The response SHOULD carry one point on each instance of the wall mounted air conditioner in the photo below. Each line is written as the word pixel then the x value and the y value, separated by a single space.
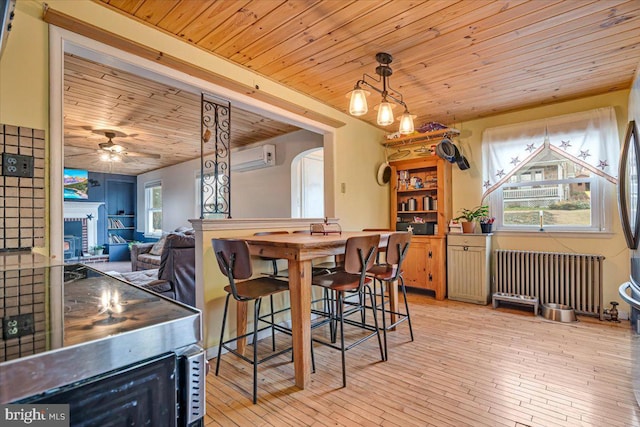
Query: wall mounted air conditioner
pixel 253 158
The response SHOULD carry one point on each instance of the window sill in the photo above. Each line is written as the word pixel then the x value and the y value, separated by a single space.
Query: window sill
pixel 554 233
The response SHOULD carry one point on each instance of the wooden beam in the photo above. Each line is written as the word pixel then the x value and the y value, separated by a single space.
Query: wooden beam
pixel 72 24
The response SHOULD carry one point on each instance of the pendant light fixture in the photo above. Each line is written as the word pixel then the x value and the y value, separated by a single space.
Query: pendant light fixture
pixel 358 97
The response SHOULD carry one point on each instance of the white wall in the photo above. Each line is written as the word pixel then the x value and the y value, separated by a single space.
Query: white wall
pixel 266 193
pixel 261 193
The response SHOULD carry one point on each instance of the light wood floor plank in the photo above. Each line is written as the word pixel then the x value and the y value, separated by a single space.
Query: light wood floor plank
pixel 468 366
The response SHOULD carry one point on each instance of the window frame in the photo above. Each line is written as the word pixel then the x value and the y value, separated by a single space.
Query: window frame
pixel 600 207
pixel 148 210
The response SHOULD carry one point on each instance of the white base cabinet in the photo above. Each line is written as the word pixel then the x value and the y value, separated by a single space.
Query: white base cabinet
pixel 468 267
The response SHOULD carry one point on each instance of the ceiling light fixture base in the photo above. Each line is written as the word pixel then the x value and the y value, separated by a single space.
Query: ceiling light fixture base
pixel 358 103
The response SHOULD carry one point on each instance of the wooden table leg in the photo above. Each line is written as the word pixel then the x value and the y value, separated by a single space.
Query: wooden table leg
pixel 393 301
pixel 300 296
pixel 241 324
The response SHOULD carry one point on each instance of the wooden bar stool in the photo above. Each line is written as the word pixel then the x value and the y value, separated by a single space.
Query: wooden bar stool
pixel 359 257
pixel 391 271
pixel 235 262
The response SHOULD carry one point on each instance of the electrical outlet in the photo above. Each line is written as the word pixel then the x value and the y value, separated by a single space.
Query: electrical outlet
pixel 17 326
pixel 17 165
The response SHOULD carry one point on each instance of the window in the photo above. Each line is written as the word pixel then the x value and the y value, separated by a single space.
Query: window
pixel 551 174
pixel 552 193
pixel 153 208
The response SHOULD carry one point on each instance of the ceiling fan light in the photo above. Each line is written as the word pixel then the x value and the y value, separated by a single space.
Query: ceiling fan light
pixel 358 103
pixel 406 123
pixel 117 148
pixel 385 114
pixel 105 157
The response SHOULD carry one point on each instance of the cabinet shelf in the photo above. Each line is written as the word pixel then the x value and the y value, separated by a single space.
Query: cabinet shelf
pixel 418 212
pixel 417 190
pixel 121 218
pixel 420 138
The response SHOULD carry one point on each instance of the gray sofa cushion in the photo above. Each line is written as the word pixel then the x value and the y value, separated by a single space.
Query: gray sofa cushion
pixel 149 259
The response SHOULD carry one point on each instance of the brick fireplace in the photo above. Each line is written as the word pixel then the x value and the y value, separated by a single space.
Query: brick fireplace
pixel 81 227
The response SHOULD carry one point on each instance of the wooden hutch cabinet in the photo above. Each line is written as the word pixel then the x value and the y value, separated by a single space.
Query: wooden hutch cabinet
pixel 420 193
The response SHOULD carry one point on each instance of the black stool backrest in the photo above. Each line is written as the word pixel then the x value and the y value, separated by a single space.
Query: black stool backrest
pixel 397 247
pixel 359 254
pixel 233 258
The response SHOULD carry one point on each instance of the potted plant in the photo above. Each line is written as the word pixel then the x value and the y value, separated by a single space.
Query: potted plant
pixel 98 250
pixel 471 216
pixel 486 223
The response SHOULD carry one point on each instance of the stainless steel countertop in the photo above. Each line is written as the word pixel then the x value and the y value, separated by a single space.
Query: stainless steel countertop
pixel 77 338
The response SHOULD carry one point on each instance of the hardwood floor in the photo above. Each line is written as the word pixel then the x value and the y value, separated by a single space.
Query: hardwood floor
pixel 468 366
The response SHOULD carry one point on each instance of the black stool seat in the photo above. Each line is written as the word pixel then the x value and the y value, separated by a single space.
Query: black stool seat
pixel 340 281
pixel 258 288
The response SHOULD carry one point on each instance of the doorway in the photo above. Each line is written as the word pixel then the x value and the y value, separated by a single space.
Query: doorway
pixel 307 184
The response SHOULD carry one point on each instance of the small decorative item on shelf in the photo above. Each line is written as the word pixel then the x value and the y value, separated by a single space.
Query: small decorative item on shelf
pixel 430 127
pixel 404 180
pixel 472 216
pixel 486 224
pixel 455 227
pixel 97 250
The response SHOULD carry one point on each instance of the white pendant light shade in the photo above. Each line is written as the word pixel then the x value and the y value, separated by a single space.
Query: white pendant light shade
pixel 406 123
pixel 358 104
pixel 385 114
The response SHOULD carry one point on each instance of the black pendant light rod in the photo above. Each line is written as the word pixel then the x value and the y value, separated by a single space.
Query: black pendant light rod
pixel 384 71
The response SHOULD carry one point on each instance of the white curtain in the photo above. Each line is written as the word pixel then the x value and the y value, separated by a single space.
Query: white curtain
pixel 589 138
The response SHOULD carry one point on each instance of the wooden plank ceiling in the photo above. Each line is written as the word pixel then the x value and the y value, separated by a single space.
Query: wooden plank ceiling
pixel 157 124
pixel 453 60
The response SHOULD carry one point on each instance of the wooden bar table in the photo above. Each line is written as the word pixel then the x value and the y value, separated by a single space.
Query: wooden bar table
pixel 300 249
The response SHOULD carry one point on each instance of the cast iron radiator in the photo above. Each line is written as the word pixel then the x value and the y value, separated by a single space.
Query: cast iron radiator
pixel 562 278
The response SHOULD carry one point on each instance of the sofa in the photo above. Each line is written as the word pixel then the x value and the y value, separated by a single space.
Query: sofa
pixel 142 258
pixel 175 275
pixel 146 256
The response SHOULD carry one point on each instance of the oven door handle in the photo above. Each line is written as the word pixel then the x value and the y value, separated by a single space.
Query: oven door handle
pixel 623 294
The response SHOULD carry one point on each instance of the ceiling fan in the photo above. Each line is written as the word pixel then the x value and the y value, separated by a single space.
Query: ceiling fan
pixel 110 151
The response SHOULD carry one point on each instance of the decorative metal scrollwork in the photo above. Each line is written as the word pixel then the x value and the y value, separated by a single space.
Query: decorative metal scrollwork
pixel 215 182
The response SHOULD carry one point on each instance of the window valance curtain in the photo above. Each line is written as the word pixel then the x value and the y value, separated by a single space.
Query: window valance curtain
pixel 588 138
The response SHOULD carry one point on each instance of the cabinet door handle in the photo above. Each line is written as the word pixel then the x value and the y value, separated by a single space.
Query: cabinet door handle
pixel 430 277
pixel 466 248
pixel 430 254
